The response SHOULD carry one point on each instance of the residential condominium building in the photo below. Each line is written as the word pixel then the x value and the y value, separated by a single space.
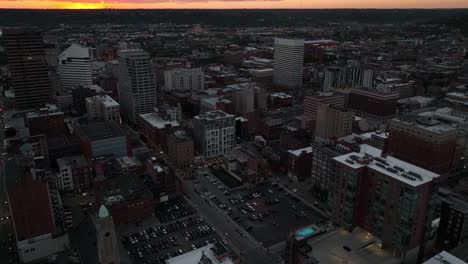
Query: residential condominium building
pixel 74 67
pixel 288 63
pixel 27 67
pixel 388 197
pixel 137 86
pixel 184 79
pixel 214 133
pixel 102 107
pixel 427 143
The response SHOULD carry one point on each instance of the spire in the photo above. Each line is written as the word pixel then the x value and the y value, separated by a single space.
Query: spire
pixel 103 212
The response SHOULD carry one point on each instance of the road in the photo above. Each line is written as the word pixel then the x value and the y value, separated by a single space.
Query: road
pixel 249 250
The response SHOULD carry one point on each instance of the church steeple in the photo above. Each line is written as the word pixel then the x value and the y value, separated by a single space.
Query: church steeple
pixel 108 249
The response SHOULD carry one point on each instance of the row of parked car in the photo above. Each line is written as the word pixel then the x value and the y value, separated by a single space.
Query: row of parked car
pixel 174 209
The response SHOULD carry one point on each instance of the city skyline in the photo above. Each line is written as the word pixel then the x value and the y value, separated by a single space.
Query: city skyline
pixel 228 4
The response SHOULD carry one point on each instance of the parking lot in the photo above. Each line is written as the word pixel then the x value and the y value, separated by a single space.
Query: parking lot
pixel 173 209
pixel 181 231
pixel 267 211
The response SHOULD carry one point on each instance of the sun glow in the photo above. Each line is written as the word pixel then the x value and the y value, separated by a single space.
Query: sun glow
pixel 78 5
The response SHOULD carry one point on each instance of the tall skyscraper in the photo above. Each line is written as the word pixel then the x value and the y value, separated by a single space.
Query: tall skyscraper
pixel 28 67
pixel 137 86
pixel 107 246
pixel 288 62
pixel 74 67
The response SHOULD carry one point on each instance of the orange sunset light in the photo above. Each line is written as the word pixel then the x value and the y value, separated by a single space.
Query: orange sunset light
pixel 223 4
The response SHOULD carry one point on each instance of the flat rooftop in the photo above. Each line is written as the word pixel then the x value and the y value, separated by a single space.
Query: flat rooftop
pixel 328 248
pixel 72 161
pixel 203 255
pixel 444 258
pixel 99 130
pixel 122 189
pixel 157 121
pixel 299 152
pixel 213 115
pixel 387 165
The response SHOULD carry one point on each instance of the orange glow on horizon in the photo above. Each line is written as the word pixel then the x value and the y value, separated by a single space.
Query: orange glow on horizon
pixel 230 4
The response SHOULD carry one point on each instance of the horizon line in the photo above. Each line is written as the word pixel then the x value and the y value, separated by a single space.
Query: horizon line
pixel 292 8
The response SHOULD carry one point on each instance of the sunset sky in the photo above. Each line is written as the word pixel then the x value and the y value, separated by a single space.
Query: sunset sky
pixel 215 4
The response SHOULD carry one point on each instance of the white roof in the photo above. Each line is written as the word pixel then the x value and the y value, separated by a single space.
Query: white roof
pixel 75 51
pixel 157 121
pixel 387 165
pixel 194 257
pixel 298 152
pixel 444 258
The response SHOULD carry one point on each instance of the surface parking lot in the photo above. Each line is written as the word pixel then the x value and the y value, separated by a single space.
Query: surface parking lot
pixel 173 209
pixel 267 211
pixel 158 243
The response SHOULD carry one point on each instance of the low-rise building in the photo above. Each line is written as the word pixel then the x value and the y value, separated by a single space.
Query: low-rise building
pixel 74 173
pixel 102 107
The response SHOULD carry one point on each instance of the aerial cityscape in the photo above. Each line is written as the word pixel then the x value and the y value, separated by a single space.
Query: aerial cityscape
pixel 200 135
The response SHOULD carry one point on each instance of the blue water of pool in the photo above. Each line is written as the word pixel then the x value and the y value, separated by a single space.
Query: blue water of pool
pixel 305 232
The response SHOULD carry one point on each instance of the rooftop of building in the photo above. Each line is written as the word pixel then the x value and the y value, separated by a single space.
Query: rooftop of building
pixel 47 110
pixel 281 95
pixel 397 169
pixel 213 101
pixel 444 258
pixel 203 255
pixel 99 130
pixel 319 41
pixel 299 152
pixel 75 51
pixel 157 121
pixel 72 161
pixel 377 133
pixel 426 123
pixel 106 100
pixel 213 115
pixel 123 189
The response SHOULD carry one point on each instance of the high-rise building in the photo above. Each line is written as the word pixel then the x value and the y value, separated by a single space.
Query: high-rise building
pixel 74 67
pixel 333 122
pixel 288 63
pixel 107 245
pixel 389 198
pixel 214 133
pixel 347 77
pixel 102 107
pixel 427 143
pixel 28 68
pixel 137 86
pixel 184 79
pixel 312 103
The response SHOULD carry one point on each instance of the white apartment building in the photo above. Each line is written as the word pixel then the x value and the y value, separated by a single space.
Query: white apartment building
pixel 214 133
pixel 74 67
pixel 102 107
pixel 137 84
pixel 288 62
pixel 184 79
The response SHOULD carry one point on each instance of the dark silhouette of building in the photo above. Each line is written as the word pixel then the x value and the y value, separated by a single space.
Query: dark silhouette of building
pixel 28 67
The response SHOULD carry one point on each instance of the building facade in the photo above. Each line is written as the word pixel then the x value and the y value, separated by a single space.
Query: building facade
pixel 373 103
pixel 288 63
pixel 214 133
pixel 28 68
pixel 389 198
pixel 102 107
pixel 184 79
pixel 312 103
pixel 74 173
pixel 333 122
pixel 74 67
pixel 137 84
